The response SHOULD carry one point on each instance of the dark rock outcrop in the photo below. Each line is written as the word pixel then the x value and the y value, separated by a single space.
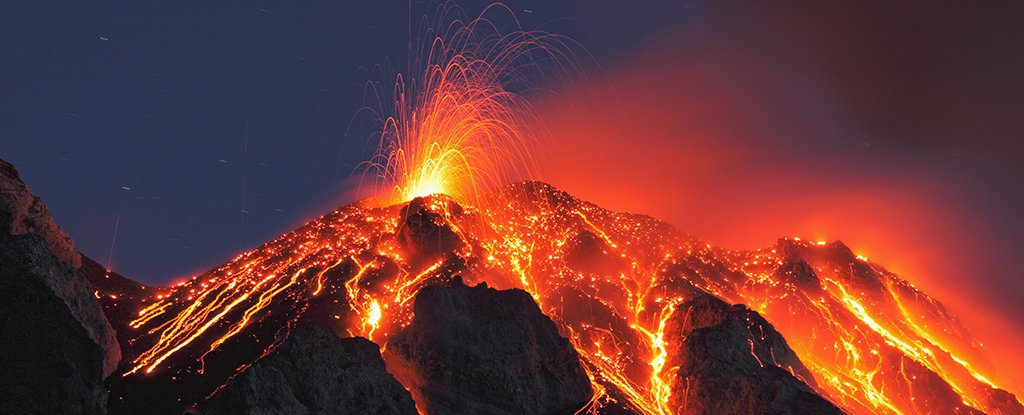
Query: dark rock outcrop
pixel 731 361
pixel 929 389
pixel 423 232
pixel 120 297
pixel 1001 402
pixel 56 346
pixel 589 253
pixel 23 213
pixel 315 372
pixel 477 350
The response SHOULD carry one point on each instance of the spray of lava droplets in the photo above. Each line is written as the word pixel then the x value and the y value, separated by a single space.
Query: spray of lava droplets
pixel 461 129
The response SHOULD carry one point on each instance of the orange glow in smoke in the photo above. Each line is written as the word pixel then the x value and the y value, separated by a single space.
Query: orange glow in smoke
pixel 719 158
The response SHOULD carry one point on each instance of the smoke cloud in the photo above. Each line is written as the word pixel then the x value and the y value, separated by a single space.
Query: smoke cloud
pixel 731 134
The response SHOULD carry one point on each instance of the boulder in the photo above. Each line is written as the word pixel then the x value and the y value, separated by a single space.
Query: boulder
pixel 424 232
pixel 56 346
pixel 730 360
pixel 477 350
pixel 589 253
pixel 315 372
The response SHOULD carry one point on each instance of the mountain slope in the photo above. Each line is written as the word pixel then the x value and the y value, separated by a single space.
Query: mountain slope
pixel 612 282
pixel 56 346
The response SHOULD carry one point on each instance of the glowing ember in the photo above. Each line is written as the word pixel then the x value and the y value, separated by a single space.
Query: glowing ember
pixel 457 128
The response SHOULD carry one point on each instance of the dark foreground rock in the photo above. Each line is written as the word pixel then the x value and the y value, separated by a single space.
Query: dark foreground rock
pixel 56 346
pixel 120 297
pixel 732 361
pixel 315 372
pixel 477 350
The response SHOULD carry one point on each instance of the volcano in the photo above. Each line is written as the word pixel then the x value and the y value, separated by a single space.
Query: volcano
pixel 528 301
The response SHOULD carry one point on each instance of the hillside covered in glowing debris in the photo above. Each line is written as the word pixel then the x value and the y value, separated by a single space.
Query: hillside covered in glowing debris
pixel 526 300
pixel 658 322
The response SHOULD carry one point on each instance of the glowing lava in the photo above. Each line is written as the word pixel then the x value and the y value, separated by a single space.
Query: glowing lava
pixel 611 281
pixel 459 128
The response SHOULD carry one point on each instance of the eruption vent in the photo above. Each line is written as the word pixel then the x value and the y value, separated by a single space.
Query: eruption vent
pixel 462 125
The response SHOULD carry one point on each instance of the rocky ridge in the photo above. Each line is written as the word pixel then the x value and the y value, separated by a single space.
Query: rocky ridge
pixel 56 345
pixel 477 350
pixel 315 372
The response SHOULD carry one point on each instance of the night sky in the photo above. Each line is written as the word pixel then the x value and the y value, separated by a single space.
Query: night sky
pixel 206 128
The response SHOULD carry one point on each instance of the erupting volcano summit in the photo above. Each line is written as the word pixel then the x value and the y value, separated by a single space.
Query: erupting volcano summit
pixel 468 287
pixel 531 302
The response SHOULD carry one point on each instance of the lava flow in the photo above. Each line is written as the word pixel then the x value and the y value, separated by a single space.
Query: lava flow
pixel 873 343
pixel 612 282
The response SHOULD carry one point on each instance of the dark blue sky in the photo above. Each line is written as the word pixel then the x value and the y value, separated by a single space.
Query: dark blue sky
pixel 154 111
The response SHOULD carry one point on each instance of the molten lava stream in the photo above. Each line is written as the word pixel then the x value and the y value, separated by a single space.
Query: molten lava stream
pixel 857 334
pixel 611 281
pixel 629 358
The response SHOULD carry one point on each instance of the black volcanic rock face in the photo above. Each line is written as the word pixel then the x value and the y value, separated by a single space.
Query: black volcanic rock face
pixel 477 350
pixel 588 253
pixel 120 297
pixel 56 346
pixel 732 361
pixel 315 372
pixel 424 233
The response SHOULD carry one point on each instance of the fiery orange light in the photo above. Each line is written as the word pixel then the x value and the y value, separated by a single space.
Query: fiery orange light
pixel 849 337
pixel 458 128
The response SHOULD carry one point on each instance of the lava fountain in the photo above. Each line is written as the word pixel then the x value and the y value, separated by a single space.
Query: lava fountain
pixel 462 125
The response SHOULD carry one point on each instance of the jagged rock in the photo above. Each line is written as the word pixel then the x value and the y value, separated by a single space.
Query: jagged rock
pixel 22 213
pixel 886 294
pixel 477 350
pixel 424 232
pixel 315 372
pixel 589 253
pixel 1001 402
pixel 732 361
pixel 929 389
pixel 801 274
pixel 120 297
pixel 56 346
